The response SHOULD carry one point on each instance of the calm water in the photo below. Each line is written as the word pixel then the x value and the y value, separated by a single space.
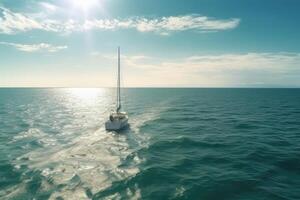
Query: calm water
pixel 182 144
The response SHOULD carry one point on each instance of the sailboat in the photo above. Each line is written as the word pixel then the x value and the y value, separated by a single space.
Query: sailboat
pixel 117 119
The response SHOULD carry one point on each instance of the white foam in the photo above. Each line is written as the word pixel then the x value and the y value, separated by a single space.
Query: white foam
pixel 95 158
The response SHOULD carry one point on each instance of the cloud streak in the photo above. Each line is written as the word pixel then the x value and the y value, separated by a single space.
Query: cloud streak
pixel 165 25
pixel 15 22
pixel 35 47
pixel 249 69
pixel 248 61
pixel 12 23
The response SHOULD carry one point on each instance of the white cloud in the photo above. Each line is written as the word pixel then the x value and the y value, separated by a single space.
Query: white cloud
pixel 165 25
pixel 35 47
pixel 250 69
pixel 12 22
pixel 229 61
pixel 48 6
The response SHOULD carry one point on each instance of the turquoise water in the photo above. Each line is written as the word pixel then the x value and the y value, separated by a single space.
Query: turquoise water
pixel 181 144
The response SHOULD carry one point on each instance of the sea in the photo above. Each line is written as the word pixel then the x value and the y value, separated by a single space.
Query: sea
pixel 188 143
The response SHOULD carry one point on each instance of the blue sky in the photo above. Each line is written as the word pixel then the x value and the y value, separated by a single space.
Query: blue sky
pixel 182 43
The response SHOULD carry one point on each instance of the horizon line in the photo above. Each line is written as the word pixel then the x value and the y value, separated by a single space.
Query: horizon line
pixel 162 87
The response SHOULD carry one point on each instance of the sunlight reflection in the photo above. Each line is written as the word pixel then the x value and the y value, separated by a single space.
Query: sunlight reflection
pixel 86 95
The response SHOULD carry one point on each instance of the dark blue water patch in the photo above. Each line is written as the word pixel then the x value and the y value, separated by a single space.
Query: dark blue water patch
pixel 259 156
pixel 152 177
pixel 296 112
pixel 230 189
pixel 275 181
pixel 8 175
pixel 24 125
pixel 3 112
pixel 209 119
pixel 247 126
pixel 183 143
pixel 290 164
pixel 293 122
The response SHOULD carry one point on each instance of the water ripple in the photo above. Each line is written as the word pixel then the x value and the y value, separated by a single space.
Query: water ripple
pixel 181 144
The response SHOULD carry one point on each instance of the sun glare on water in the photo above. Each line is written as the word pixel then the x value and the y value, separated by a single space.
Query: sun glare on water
pixel 86 95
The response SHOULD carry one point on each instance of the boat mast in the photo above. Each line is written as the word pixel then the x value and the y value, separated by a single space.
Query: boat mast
pixel 119 83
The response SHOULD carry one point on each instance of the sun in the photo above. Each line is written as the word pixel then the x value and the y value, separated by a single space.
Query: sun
pixel 84 4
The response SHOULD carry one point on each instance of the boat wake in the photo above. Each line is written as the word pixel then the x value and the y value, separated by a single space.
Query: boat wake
pixel 82 166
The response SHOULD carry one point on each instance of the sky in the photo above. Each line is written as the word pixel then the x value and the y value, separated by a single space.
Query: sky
pixel 164 43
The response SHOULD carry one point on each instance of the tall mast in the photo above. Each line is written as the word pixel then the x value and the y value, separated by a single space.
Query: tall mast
pixel 119 83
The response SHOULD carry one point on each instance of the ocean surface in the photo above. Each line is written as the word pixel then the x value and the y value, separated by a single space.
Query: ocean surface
pixel 202 144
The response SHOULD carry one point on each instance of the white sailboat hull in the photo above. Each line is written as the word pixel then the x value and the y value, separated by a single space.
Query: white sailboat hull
pixel 116 122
